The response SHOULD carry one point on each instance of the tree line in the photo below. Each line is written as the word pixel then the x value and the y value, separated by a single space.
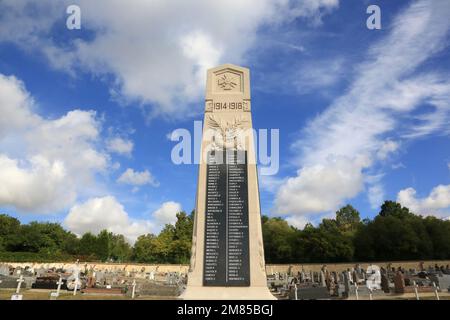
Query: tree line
pixel 395 233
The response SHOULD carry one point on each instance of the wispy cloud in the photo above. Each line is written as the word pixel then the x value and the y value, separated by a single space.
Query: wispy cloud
pixel 338 146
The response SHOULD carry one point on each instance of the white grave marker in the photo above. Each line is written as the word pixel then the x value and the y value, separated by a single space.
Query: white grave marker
pixel 75 288
pixel 19 284
pixel 296 294
pixel 17 295
pixel 55 295
pixel 134 289
pixel 415 290
pixel 436 293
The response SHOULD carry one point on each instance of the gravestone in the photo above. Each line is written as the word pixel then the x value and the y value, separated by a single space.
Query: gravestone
pixel 443 281
pixel 309 293
pixel 373 281
pixel 347 284
pixel 17 295
pixel 227 260
pixel 302 276
pixel 8 282
pixel 399 282
pixel 4 270
pixel 156 288
pixel 385 283
pixel 100 277
pixel 322 279
pixel 18 271
pixel 40 272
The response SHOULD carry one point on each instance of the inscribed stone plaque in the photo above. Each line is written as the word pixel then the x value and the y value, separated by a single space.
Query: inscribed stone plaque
pixel 226 259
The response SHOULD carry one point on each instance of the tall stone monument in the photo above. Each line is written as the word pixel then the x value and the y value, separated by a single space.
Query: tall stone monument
pixel 227 259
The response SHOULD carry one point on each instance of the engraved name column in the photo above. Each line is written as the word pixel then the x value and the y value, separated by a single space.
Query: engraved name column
pixel 237 221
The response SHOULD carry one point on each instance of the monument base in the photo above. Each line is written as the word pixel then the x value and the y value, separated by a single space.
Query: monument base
pixel 226 293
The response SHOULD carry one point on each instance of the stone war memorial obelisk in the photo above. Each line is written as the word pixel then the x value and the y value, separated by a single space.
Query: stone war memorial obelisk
pixel 227 260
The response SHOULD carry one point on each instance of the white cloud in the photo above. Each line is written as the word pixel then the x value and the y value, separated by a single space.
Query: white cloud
pixel 375 190
pixel 269 183
pixel 45 163
pixel 120 146
pixel 436 203
pixel 376 196
pixel 16 105
pixel 387 147
pixel 381 97
pixel 98 214
pixel 136 178
pixel 155 61
pixel 320 188
pixel 166 214
pixel 298 222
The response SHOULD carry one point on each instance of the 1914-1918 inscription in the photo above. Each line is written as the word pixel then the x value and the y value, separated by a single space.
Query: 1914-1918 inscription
pixel 226 223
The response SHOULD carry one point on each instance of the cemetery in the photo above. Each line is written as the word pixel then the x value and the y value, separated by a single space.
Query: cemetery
pixel 227 256
pixel 84 281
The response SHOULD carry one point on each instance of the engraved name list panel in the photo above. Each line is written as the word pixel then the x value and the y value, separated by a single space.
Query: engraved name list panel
pixel 226 259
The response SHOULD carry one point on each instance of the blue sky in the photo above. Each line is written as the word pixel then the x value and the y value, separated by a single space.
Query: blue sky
pixel 363 114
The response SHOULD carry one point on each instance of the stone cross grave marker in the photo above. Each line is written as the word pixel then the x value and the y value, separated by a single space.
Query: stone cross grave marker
pixel 55 295
pixel 17 295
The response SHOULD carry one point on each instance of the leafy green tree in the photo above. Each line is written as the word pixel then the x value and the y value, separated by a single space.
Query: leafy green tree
pixel 438 231
pixel 327 243
pixel 103 245
pixel 395 234
pixel 9 230
pixel 182 238
pixel 145 249
pixel 46 238
pixel 163 243
pixel 348 219
pixel 277 237
pixel 120 249
pixel 392 208
pixel 88 245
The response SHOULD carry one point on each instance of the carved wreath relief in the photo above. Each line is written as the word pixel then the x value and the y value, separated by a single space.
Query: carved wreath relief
pixel 227 134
